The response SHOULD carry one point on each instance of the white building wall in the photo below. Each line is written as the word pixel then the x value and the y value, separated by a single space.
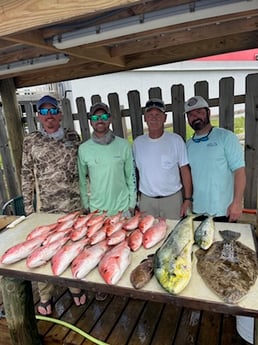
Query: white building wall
pixel 164 76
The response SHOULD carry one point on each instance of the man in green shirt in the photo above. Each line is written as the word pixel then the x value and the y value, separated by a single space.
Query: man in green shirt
pixel 106 167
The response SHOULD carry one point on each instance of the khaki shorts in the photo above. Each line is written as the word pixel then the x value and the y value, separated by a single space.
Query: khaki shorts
pixel 164 207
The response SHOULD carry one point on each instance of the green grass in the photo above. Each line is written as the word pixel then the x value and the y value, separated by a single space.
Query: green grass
pixel 239 127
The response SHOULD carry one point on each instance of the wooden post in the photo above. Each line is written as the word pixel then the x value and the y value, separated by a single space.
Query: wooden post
pixel 226 103
pixel 7 161
pixel 135 113
pixel 251 143
pixel 83 118
pixel 67 118
pixel 13 122
pixel 116 114
pixel 19 311
pixel 255 331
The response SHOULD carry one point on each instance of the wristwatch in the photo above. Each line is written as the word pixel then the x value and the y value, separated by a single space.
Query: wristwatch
pixel 190 199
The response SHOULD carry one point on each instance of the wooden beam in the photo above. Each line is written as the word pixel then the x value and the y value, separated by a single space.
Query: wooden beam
pixel 99 54
pixel 36 40
pixel 174 36
pixel 19 15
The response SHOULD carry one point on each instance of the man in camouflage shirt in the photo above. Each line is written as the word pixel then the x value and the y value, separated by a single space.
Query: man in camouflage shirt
pixel 49 169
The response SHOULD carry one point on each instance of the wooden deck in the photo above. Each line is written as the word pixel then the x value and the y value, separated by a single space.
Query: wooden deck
pixel 126 321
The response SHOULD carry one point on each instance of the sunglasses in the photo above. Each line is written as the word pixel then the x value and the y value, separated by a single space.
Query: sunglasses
pixel 155 104
pixel 103 117
pixel 205 138
pixel 45 111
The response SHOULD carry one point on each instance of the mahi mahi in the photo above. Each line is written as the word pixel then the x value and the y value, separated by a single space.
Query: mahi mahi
pixel 173 260
pixel 228 267
pixel 204 233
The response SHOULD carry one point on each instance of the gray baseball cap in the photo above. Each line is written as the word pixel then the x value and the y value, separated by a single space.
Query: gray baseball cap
pixel 195 102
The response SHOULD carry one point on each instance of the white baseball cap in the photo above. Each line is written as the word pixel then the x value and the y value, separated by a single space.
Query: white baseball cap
pixel 195 102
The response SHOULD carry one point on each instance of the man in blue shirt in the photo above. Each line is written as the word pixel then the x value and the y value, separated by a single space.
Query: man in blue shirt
pixel 217 165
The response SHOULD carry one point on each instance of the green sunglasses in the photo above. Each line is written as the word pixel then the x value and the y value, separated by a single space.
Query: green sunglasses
pixel 103 117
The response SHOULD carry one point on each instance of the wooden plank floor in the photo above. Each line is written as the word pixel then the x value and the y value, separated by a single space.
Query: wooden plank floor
pixel 125 321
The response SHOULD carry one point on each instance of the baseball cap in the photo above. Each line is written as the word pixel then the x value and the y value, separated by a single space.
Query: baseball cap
pixel 155 103
pixel 99 106
pixel 195 102
pixel 47 99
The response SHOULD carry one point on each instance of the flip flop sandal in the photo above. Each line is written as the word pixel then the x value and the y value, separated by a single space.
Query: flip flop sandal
pixel 45 305
pixel 78 295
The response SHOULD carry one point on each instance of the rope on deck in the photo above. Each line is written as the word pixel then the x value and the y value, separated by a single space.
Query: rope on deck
pixel 72 327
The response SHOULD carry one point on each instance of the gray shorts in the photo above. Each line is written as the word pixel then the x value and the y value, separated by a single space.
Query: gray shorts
pixel 165 207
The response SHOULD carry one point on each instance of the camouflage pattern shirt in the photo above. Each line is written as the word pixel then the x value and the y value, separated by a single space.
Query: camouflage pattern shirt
pixel 49 168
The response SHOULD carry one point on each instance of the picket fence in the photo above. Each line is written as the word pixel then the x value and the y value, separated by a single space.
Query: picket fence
pixel 225 103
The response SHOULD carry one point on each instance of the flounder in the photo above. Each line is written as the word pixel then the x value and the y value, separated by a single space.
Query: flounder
pixel 228 267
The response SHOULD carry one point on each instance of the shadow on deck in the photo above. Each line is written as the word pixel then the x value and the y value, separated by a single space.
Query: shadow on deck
pixel 126 321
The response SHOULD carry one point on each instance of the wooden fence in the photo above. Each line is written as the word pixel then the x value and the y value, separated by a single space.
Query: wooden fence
pixel 225 103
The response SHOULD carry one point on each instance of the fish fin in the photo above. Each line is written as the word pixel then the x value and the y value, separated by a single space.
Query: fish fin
pixel 229 235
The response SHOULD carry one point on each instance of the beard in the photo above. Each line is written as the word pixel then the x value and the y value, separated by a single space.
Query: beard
pixel 199 124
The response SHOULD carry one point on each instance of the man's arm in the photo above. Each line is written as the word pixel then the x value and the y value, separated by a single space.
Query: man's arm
pixel 27 177
pixel 130 174
pixel 235 208
pixel 186 178
pixel 83 185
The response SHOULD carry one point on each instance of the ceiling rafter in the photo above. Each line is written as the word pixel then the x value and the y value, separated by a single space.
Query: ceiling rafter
pixel 28 27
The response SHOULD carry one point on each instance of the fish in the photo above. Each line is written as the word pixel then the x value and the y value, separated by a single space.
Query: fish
pixel 135 240
pixel 65 255
pixel 142 273
pixel 88 259
pixel 96 219
pixel 79 233
pixel 41 230
pixel 146 222
pixel 21 250
pixel 43 254
pixel 116 237
pixel 57 235
pixel 113 227
pixel 173 260
pixel 154 234
pixel 62 226
pixel 133 222
pixel 92 229
pixel 229 268
pixel 81 221
pixel 99 236
pixel 68 217
pixel 204 233
pixel 114 263
pixel 114 218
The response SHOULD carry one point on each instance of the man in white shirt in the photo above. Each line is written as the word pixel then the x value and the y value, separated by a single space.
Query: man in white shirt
pixel 165 182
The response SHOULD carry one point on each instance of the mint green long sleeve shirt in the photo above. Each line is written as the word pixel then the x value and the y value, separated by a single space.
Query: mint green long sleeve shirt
pixel 107 176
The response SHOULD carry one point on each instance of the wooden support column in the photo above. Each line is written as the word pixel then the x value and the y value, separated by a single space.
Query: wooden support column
pixel 13 122
pixel 19 311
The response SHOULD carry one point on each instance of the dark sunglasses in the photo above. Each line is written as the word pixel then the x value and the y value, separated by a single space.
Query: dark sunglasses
pixel 154 104
pixel 103 117
pixel 205 138
pixel 45 111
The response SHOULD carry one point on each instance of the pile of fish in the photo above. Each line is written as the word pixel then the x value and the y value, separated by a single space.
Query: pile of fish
pixel 229 268
pixel 84 242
